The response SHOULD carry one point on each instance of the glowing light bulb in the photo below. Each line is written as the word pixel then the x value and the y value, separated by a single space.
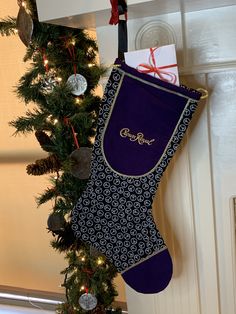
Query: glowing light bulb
pixel 59 79
pixel 82 288
pixel 90 65
pixel 45 62
pixel 83 259
pixel 77 100
pixel 92 139
pixel 49 118
pixel 73 42
pixel 100 261
pixel 55 121
pixel 23 3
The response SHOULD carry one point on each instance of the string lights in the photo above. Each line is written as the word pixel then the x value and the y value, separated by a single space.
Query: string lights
pixel 73 42
pixel 49 118
pixel 56 121
pixel 24 5
pixel 82 288
pixel 77 100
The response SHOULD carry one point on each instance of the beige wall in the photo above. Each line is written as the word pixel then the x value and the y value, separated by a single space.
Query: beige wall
pixel 26 258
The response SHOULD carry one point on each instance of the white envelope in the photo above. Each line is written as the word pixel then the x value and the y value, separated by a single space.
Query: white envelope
pixel 159 62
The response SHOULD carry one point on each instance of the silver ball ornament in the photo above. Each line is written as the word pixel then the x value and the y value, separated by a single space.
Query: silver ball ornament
pixel 88 301
pixel 78 84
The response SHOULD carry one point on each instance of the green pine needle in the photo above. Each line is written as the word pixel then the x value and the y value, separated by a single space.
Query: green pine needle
pixel 8 26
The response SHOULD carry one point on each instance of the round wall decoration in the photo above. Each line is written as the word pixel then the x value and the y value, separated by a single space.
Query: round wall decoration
pixel 154 34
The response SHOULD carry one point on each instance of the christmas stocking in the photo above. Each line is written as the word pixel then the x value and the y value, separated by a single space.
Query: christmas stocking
pixel 142 121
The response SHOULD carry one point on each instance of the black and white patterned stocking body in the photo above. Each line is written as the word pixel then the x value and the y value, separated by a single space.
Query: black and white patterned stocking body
pixel 141 123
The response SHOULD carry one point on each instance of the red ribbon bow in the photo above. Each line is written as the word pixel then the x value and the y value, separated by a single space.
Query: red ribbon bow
pixel 115 13
pixel 158 71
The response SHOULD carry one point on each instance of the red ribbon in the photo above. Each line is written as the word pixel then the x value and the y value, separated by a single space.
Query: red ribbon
pixel 71 50
pixel 88 271
pixel 158 71
pixel 43 51
pixel 115 13
pixel 67 122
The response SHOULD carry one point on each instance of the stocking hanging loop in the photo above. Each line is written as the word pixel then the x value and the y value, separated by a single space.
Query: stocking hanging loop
pixel 204 92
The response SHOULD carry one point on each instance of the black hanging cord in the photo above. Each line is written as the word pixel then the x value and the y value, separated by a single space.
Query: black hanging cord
pixel 122 30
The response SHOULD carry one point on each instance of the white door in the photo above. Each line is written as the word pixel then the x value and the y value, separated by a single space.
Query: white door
pixel 194 209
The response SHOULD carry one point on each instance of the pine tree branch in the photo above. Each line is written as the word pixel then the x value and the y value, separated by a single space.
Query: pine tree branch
pixel 68 187
pixel 63 206
pixel 66 240
pixel 91 103
pixel 60 102
pixel 53 119
pixel 33 121
pixel 29 88
pixel 49 194
pixel 62 138
pixel 31 74
pixel 29 53
pixel 84 125
pixel 8 26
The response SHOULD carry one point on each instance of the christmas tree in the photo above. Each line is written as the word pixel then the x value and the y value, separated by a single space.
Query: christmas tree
pixel 61 83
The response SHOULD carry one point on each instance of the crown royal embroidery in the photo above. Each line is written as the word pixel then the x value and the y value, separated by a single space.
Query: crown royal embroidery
pixel 139 137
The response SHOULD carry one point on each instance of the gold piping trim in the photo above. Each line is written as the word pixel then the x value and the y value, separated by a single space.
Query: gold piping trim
pixel 144 259
pixel 154 85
